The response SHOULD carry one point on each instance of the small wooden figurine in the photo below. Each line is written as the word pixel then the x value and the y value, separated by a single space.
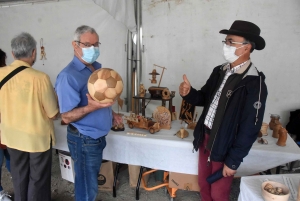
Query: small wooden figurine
pixel 142 90
pixel 134 120
pixel 282 137
pixel 119 126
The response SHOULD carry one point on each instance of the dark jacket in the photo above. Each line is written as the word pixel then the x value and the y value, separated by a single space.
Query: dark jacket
pixel 241 120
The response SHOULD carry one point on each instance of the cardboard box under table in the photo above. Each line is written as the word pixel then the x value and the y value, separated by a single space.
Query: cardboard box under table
pixel 187 182
pixel 105 177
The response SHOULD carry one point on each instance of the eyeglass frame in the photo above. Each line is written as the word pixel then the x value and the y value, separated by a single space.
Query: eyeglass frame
pixel 88 44
pixel 233 42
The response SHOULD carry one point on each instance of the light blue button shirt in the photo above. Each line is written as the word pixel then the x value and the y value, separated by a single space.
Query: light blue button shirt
pixel 71 89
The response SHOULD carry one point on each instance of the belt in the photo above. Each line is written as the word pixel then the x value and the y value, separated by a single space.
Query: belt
pixel 73 128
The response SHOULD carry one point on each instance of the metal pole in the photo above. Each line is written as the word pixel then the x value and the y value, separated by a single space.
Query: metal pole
pixel 129 71
pixel 138 46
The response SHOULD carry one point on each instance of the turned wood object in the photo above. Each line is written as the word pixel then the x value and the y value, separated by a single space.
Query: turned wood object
pixel 142 90
pixel 282 137
pixel 182 133
pixel 264 128
pixel 276 128
pixel 259 134
pixel 274 118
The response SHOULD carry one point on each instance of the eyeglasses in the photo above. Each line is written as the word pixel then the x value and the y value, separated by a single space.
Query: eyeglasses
pixel 230 42
pixel 88 44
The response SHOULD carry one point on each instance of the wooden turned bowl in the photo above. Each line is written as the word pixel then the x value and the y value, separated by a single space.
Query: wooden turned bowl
pixel 272 197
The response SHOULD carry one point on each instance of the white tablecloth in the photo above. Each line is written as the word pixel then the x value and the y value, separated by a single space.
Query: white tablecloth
pixel 250 187
pixel 165 151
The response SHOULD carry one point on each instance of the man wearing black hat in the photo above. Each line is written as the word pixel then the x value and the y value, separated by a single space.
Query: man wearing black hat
pixel 233 101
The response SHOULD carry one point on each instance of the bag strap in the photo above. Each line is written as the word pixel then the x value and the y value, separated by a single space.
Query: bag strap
pixel 11 74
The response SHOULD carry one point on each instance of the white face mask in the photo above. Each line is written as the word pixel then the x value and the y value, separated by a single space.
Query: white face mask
pixel 229 53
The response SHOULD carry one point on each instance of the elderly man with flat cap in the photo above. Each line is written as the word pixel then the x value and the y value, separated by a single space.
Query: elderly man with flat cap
pixel 233 100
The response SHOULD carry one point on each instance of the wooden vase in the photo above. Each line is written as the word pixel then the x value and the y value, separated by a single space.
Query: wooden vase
pixel 282 137
pixel 276 128
pixel 272 123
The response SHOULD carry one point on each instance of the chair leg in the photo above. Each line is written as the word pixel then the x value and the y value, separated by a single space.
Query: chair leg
pixel 278 169
pixel 291 166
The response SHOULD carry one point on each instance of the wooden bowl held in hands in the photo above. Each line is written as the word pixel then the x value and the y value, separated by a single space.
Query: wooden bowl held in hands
pixel 270 189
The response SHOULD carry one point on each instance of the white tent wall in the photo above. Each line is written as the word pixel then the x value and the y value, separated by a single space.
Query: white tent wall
pixel 183 36
pixel 56 22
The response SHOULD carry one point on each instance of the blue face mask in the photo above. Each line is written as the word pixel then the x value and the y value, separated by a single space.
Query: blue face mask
pixel 90 54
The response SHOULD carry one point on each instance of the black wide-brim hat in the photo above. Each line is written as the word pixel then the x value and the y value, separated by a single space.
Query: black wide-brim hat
pixel 247 30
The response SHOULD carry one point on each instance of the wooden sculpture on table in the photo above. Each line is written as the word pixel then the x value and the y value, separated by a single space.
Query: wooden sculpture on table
pixel 118 126
pixel 187 111
pixel 156 92
pixel 163 116
pixel 276 128
pixel 142 90
pixel 182 133
pixel 282 137
pixel 192 124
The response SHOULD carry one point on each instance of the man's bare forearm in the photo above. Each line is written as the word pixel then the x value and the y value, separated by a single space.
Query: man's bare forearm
pixel 75 114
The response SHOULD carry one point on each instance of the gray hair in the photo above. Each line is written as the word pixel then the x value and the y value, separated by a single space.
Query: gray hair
pixel 23 45
pixel 82 30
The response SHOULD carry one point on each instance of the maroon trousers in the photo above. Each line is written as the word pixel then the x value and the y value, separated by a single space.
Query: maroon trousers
pixel 219 190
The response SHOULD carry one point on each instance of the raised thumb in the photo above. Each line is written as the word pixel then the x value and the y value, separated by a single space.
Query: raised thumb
pixel 186 80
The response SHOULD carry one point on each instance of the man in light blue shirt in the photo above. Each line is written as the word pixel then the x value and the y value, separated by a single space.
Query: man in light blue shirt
pixel 89 121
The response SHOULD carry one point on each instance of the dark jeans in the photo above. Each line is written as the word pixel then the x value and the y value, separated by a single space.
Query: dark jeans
pixel 31 175
pixel 86 153
pixel 4 153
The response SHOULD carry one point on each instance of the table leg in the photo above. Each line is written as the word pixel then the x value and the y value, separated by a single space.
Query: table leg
pixel 278 169
pixel 137 191
pixel 163 103
pixel 143 107
pixel 115 180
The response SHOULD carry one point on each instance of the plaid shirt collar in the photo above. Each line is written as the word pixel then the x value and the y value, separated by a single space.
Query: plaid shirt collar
pixel 234 69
